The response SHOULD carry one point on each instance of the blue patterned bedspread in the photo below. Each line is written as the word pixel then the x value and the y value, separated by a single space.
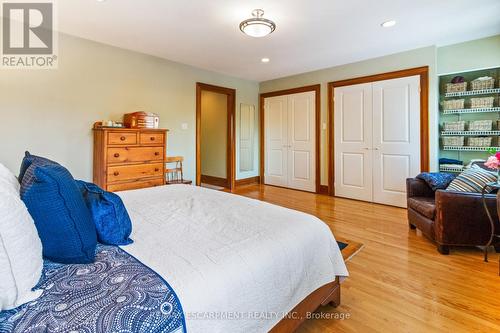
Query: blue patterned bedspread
pixel 117 293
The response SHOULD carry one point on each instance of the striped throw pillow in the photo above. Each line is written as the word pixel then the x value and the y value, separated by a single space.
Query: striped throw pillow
pixel 472 180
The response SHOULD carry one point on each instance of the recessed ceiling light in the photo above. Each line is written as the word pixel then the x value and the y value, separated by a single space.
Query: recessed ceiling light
pixel 388 24
pixel 257 26
pixel 265 59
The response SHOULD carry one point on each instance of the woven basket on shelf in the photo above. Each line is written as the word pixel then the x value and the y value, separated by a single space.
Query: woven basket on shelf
pixel 479 141
pixel 481 102
pixel 482 84
pixel 481 125
pixel 453 104
pixel 454 126
pixel 456 87
pixel 453 141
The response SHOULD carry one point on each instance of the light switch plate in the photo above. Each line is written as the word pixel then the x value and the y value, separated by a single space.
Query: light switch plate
pixel 184 126
pixel 324 126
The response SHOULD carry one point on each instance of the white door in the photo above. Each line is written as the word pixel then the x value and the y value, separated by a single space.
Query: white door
pixel 301 141
pixel 396 138
pixel 247 125
pixel 353 141
pixel 290 133
pixel 276 140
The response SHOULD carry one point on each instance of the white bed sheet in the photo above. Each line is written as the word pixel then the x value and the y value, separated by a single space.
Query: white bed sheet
pixel 227 256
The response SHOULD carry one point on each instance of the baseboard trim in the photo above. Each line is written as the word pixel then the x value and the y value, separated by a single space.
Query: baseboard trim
pixel 247 181
pixel 217 181
pixel 323 189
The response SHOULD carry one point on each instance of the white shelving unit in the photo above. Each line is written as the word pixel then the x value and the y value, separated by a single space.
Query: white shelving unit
pixel 470 133
pixel 464 153
pixel 467 148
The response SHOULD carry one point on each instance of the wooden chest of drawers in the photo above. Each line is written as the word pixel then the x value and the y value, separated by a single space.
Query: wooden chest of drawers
pixel 127 159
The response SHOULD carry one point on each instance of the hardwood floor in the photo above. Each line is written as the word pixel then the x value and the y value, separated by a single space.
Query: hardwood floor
pixel 398 282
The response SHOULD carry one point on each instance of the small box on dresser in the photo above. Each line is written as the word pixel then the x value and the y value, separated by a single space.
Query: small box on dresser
pixel 127 159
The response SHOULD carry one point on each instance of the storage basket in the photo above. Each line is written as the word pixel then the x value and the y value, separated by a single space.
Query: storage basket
pixel 453 104
pixel 456 87
pixel 480 141
pixel 483 84
pixel 454 126
pixel 481 102
pixel 453 141
pixel 481 125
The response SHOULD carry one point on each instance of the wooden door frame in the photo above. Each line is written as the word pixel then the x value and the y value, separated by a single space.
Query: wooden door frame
pixel 231 130
pixel 423 72
pixel 317 89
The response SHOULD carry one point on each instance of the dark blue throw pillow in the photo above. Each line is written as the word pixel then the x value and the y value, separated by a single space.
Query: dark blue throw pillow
pixel 61 217
pixel 437 180
pixel 110 217
pixel 30 159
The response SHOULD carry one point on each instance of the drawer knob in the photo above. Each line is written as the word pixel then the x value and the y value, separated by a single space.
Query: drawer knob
pixel 157 153
pixel 156 169
pixel 152 138
pixel 122 138
pixel 116 173
pixel 117 155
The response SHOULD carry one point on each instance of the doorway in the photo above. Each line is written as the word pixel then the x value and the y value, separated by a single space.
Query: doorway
pixel 290 130
pixel 215 128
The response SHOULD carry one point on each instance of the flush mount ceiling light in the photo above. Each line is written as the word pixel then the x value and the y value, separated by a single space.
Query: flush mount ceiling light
pixel 388 24
pixel 257 26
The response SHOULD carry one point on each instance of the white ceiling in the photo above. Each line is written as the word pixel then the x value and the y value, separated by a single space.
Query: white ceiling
pixel 310 35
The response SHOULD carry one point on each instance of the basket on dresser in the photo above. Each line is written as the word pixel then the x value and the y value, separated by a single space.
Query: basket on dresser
pixel 480 141
pixel 457 141
pixel 453 104
pixel 482 84
pixel 481 125
pixel 454 125
pixel 481 102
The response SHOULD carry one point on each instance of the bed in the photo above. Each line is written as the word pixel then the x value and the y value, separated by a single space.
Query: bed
pixel 201 261
pixel 227 255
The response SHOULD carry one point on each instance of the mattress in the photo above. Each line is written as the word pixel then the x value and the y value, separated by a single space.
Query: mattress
pixel 236 264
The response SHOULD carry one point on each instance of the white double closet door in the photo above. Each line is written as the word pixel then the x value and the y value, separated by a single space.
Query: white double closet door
pixel 377 139
pixel 289 145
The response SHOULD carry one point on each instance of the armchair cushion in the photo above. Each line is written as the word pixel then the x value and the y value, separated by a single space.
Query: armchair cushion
pixel 472 180
pixel 437 180
pixel 424 206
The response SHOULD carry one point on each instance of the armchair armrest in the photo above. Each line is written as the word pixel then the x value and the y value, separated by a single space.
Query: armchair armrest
pixel 418 188
pixel 461 218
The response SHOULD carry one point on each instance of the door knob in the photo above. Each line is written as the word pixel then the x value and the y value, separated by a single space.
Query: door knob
pixel 365 148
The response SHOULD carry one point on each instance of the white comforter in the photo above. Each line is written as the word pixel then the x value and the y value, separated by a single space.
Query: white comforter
pixel 228 256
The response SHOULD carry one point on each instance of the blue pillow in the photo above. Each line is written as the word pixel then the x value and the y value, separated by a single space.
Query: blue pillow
pixel 110 217
pixel 61 217
pixel 437 180
pixel 29 159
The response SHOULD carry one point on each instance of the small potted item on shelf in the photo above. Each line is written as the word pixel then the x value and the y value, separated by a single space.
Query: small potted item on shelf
pixel 482 102
pixel 454 125
pixel 481 125
pixel 457 84
pixel 479 141
pixel 454 104
pixel 456 141
pixel 483 82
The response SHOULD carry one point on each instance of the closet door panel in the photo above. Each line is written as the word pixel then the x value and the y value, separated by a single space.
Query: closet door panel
pixel 396 138
pixel 353 141
pixel 301 139
pixel 276 141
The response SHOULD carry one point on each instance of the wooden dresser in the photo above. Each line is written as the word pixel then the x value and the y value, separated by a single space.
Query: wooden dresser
pixel 127 159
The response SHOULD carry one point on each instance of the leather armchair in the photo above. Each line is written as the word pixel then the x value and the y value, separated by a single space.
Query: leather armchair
pixel 449 218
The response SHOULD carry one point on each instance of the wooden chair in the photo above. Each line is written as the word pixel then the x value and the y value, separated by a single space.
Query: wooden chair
pixel 175 175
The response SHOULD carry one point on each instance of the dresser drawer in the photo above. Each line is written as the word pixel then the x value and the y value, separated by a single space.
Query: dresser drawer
pixel 134 154
pixel 151 138
pixel 130 172
pixel 135 185
pixel 122 138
